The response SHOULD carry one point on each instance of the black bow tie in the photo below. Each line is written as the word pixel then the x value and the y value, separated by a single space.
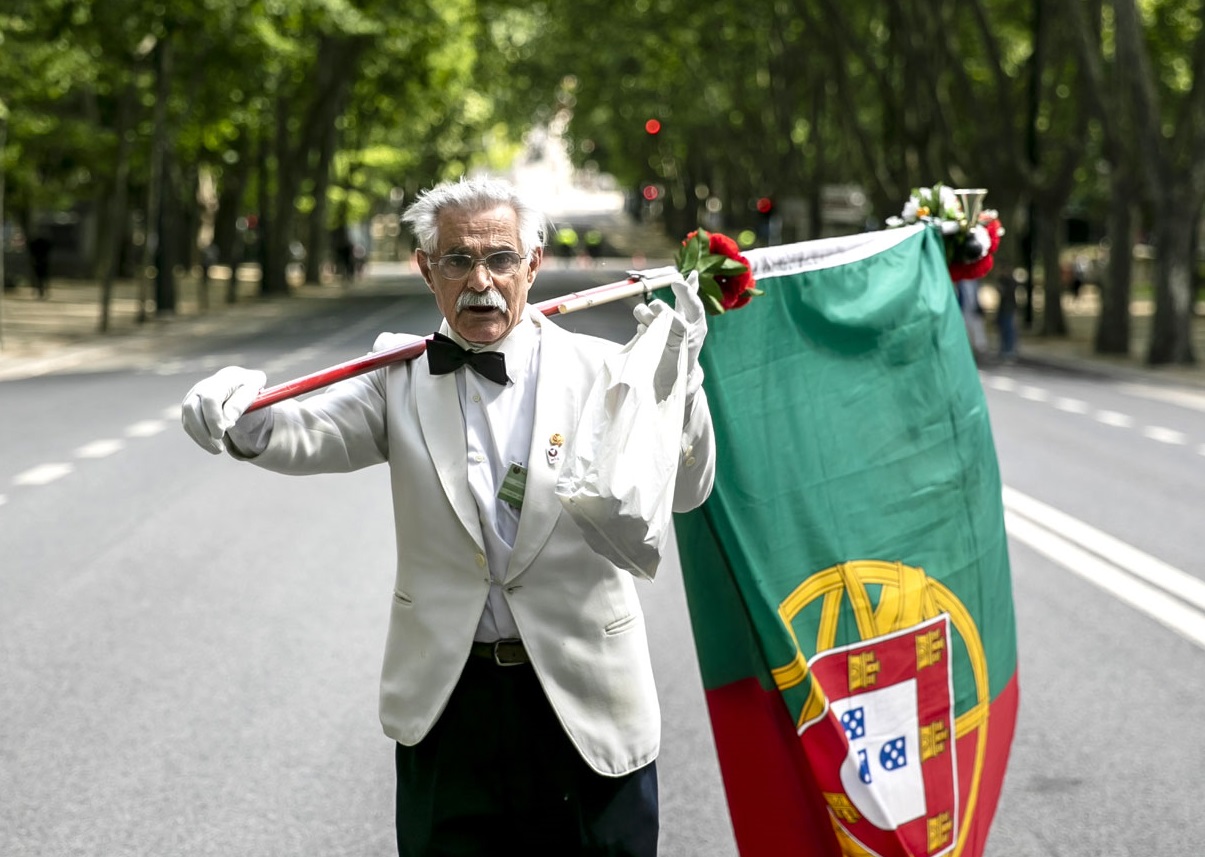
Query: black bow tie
pixel 444 356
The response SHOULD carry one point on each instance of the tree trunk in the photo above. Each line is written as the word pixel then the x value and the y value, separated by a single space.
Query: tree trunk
pixel 332 74
pixel 316 252
pixel 110 251
pixel 275 238
pixel 3 143
pixel 1113 326
pixel 167 254
pixel 191 232
pixel 264 204
pixel 1053 321
pixel 225 221
pixel 155 195
pixel 1171 328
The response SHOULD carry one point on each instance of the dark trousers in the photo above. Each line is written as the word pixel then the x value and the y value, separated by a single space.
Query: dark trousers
pixel 1008 334
pixel 497 775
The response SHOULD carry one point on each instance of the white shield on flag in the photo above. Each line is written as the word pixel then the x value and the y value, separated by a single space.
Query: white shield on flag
pixel 884 750
pixel 882 773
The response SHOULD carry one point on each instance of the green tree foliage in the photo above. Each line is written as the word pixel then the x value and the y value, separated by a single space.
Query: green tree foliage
pixel 177 120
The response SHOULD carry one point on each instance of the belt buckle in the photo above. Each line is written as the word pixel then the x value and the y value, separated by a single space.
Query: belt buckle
pixel 504 662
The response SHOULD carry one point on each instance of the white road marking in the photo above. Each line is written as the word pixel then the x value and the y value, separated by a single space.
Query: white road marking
pixel 100 448
pixel 43 474
pixel 1112 418
pixel 145 428
pixel 1183 398
pixel 1071 406
pixel 1195 401
pixel 1164 435
pixel 1168 595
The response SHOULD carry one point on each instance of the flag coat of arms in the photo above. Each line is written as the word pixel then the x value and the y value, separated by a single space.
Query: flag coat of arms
pixel 848 579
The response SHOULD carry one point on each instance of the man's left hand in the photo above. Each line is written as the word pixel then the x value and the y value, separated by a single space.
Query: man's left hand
pixel 688 330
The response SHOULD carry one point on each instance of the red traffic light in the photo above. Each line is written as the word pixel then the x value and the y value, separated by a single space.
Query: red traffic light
pixel 765 205
pixel 653 126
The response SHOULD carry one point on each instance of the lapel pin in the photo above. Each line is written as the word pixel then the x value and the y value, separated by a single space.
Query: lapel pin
pixel 553 453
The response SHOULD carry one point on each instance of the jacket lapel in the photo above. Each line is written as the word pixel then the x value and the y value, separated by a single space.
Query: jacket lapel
pixel 541 508
pixel 443 431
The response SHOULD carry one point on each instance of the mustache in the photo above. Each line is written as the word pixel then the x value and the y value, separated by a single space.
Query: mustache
pixel 490 298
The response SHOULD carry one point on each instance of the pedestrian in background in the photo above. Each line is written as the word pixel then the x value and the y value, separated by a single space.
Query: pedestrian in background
pixel 972 315
pixel 1006 316
pixel 39 263
pixel 517 682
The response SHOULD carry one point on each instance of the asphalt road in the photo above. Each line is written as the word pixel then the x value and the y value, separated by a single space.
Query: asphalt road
pixel 1107 757
pixel 189 647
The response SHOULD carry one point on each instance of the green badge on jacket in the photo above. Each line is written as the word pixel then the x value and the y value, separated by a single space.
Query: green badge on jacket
pixel 514 485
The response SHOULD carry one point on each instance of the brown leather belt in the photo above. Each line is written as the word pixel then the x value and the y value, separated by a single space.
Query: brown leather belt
pixel 505 653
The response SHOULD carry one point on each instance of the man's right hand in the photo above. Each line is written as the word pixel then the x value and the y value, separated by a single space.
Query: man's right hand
pixel 215 404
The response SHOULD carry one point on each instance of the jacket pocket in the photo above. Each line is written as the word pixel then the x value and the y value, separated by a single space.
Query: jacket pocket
pixel 620 625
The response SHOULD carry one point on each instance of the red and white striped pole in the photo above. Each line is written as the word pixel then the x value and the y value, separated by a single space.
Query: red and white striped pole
pixel 637 283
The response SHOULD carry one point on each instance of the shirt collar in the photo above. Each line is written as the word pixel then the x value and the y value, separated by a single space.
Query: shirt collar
pixel 516 345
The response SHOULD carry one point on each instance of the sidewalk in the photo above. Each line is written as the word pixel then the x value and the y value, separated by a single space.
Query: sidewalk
pixel 1075 351
pixel 42 336
pixel 61 332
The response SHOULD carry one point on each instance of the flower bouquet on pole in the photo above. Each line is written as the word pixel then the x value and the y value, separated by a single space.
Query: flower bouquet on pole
pixel 971 233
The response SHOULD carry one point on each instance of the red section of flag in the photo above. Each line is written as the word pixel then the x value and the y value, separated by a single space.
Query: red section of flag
pixel 775 806
pixel 1002 722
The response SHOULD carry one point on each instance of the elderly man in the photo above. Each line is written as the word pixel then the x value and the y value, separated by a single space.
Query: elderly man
pixel 517 682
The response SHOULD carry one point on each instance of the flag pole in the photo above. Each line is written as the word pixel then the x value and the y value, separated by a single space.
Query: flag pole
pixel 637 283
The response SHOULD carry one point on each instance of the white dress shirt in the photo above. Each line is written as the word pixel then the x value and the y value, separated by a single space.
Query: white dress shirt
pixel 498 424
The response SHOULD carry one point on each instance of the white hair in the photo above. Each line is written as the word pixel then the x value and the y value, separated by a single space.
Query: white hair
pixel 472 195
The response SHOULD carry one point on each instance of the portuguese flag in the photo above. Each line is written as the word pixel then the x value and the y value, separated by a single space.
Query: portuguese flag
pixel 848 578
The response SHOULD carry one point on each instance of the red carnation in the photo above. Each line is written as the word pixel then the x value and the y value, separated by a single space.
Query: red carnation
pixel 971 270
pixel 738 289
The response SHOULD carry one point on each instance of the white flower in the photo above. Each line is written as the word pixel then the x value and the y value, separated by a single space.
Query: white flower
pixel 910 209
pixel 894 221
pixel 950 207
pixel 979 233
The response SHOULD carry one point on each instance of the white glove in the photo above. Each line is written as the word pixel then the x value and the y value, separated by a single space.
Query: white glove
pixel 215 404
pixel 689 328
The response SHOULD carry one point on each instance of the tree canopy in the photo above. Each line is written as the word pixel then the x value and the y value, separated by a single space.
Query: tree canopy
pixel 179 124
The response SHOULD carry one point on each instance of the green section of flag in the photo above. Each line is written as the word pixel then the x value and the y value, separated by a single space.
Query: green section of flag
pixel 850 425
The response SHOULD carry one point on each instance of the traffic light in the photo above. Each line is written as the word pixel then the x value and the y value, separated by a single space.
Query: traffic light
pixel 767 221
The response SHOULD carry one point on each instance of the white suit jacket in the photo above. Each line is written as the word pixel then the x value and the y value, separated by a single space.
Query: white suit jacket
pixel 578 615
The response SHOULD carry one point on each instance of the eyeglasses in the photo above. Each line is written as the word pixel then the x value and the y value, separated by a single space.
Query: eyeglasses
pixel 457 266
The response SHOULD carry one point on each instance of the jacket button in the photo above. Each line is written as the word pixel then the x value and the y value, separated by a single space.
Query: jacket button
pixel 480 560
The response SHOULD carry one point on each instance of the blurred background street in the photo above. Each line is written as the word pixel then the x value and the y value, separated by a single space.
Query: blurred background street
pixel 189 649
